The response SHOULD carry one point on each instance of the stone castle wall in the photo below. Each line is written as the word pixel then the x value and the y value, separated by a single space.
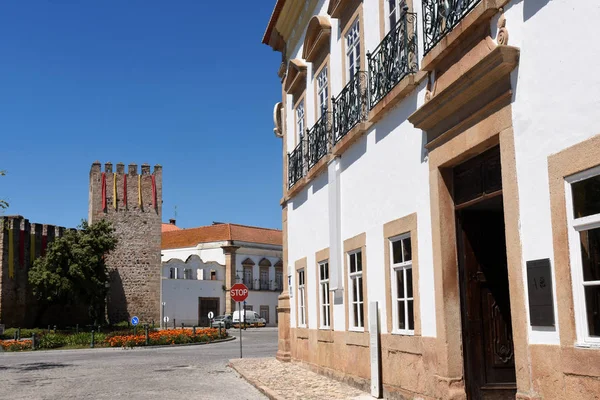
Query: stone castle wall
pixel 21 242
pixel 135 210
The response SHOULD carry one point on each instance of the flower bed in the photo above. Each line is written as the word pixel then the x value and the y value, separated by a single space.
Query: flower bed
pixel 166 337
pixel 15 345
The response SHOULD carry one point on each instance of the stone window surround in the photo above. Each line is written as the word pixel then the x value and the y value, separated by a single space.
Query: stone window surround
pixel 406 224
pixel 321 256
pixel 572 160
pixel 356 243
pixel 301 265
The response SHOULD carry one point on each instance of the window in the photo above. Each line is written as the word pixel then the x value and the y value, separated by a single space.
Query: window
pixel 357 315
pixel 172 273
pixel 324 294
pixel 322 91
pixel 187 273
pixel 402 288
pixel 213 275
pixel 279 279
pixel 395 10
pixel 264 278
pixel 248 277
pixel 583 203
pixel 353 50
pixel 301 299
pixel 264 313
pixel 300 121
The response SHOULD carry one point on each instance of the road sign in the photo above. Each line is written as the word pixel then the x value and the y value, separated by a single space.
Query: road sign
pixel 210 315
pixel 239 292
pixel 166 319
pixel 135 321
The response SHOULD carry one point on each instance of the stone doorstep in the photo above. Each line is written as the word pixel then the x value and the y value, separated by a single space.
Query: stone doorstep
pixel 303 378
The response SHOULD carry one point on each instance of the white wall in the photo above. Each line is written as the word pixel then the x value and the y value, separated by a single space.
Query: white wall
pixel 181 298
pixel 555 106
pixel 384 177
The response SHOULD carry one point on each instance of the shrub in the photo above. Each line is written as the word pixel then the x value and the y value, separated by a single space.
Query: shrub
pixel 52 340
pixel 25 333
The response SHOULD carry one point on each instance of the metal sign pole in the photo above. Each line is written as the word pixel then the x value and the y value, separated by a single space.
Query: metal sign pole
pixel 240 320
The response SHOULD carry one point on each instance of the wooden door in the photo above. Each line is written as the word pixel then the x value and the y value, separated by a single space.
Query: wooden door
pixel 485 302
pixel 206 305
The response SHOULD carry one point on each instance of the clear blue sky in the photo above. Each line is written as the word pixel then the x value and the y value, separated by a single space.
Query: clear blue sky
pixel 186 84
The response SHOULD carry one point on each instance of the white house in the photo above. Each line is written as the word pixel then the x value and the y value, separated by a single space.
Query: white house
pixel 199 265
pixel 442 173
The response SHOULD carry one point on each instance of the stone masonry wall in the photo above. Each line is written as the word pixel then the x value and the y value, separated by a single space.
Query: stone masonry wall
pixel 29 241
pixel 136 216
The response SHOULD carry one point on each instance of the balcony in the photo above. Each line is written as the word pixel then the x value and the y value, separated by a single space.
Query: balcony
pixel 350 106
pixel 440 17
pixel 318 140
pixel 295 165
pixel 393 59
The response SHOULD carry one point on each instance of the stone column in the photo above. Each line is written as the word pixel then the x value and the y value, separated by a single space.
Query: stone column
pixel 229 251
pixel 283 308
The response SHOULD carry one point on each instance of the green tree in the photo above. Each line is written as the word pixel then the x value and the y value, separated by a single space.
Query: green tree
pixel 73 269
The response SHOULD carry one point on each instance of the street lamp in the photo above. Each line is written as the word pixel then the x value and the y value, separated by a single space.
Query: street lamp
pixel 163 314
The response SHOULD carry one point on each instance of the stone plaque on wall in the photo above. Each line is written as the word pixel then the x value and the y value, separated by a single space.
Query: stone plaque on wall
pixel 539 285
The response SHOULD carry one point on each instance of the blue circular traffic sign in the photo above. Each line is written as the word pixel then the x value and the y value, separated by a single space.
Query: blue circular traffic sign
pixel 135 321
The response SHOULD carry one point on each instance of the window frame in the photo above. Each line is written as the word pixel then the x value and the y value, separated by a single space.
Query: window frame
pixel 302 323
pixel 251 283
pixel 394 269
pixel 322 102
pixel 172 273
pixel 324 303
pixel 354 49
pixel 352 324
pixel 300 130
pixel 574 227
pixel 398 7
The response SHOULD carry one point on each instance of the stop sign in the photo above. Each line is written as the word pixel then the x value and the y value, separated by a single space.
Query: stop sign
pixel 239 292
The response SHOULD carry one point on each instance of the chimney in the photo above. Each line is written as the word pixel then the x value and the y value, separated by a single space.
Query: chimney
pixel 172 221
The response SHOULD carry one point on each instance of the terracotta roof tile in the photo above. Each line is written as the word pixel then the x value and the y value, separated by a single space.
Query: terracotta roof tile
pixel 220 232
pixel 169 227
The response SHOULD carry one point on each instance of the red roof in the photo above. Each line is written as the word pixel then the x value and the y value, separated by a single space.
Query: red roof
pixel 169 227
pixel 175 239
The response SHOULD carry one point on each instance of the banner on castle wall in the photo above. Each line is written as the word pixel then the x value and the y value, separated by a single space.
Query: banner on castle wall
pixel 125 190
pixel 32 249
pixel 11 254
pixel 115 190
pixel 21 249
pixel 140 191
pixel 103 191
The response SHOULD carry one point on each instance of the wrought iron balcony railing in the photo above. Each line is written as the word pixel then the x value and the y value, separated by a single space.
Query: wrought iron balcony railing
pixel 394 58
pixel 264 284
pixel 318 140
pixel 350 106
pixel 296 164
pixel 440 17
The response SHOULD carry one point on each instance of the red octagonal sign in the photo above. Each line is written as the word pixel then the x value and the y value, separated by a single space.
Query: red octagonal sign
pixel 239 292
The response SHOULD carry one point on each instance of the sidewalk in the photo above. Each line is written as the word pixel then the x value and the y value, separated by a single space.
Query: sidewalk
pixel 283 381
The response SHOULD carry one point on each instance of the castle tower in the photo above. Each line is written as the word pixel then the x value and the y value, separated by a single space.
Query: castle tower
pixel 132 202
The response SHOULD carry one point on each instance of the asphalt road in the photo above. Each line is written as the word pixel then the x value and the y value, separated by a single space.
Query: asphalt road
pixel 191 372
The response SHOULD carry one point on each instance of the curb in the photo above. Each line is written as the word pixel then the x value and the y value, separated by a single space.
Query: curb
pixel 261 388
pixel 162 346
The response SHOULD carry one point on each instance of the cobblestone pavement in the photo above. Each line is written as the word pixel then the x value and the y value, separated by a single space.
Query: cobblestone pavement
pixel 283 381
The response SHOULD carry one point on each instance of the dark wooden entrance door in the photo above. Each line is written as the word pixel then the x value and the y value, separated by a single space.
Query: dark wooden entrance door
pixel 485 301
pixel 206 305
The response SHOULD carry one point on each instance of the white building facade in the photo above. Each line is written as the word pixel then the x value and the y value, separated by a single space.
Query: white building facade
pixel 199 266
pixel 442 160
